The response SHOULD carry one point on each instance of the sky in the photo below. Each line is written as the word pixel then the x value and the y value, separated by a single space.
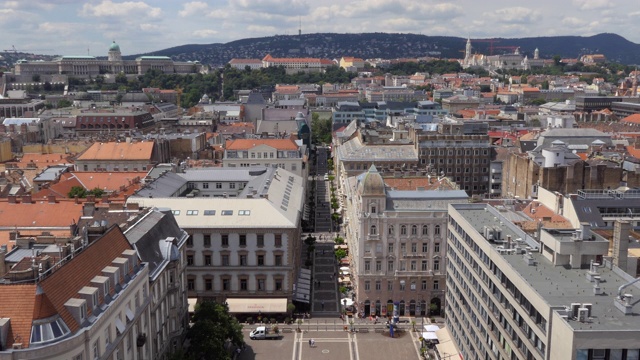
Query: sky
pixel 80 27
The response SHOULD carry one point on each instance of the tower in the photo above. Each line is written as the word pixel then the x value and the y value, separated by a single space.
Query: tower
pixel 536 54
pixel 467 50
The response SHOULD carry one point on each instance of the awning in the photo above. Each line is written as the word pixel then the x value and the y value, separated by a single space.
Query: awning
pixel 345 279
pixel 266 306
pixel 345 247
pixel 429 335
pixel 445 345
pixel 348 302
pixel 129 313
pixel 431 328
pixel 119 326
pixel 192 304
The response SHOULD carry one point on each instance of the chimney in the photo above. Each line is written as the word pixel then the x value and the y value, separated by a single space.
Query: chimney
pixel 51 199
pixel 77 199
pixel 621 243
pixel 585 230
pixel 116 206
pixel 105 199
pixel 133 206
pixel 11 199
pixel 26 199
pixel 88 209
pixel 91 198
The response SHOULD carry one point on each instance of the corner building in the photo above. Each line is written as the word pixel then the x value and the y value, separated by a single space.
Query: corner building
pixel 510 296
pixel 397 245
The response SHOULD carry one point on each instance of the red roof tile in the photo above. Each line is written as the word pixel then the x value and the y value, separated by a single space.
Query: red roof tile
pixel 65 283
pixel 279 144
pixel 17 302
pixel 635 119
pixel 118 151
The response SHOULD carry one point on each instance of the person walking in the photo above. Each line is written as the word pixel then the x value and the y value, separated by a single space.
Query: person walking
pixel 312 342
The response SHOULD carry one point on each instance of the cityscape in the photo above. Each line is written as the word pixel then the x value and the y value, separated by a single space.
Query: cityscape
pixel 471 197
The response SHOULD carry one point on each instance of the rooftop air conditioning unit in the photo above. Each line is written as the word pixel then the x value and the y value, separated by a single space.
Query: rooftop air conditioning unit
pixel 583 314
pixel 574 310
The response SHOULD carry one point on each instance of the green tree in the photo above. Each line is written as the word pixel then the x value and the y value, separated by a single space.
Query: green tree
pixel 64 103
pixel 320 129
pixel 121 78
pixel 341 253
pixel 35 78
pixel 213 327
pixel 545 85
pixel 78 191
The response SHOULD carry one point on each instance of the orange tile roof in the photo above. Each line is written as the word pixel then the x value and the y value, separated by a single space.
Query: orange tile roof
pixel 39 214
pixel 633 151
pixel 42 160
pixel 17 302
pixel 270 58
pixel 61 188
pixel 108 181
pixel 245 144
pixel 634 118
pixel 118 151
pixel 65 283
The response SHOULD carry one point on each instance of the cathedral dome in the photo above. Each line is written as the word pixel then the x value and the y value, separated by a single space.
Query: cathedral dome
pixel 114 47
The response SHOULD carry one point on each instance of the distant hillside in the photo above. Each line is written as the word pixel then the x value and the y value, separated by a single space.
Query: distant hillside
pixel 389 46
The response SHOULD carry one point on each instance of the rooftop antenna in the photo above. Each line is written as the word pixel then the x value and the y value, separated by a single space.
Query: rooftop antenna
pixel 300 26
pixel 88 52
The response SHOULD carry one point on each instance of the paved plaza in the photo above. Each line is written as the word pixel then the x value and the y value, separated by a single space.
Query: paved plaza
pixel 333 345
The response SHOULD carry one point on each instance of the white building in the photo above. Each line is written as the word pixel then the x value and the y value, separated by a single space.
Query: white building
pixel 243 247
pixel 510 296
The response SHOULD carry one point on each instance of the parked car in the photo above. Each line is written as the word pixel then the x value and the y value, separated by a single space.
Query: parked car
pixel 263 333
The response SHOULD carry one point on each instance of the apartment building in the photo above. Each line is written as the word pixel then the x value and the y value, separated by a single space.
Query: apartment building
pixel 90 304
pixel 397 244
pixel 282 153
pixel 511 296
pixel 242 247
pixel 116 156
pixel 460 150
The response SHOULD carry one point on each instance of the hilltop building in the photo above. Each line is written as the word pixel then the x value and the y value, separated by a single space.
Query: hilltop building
pixel 86 65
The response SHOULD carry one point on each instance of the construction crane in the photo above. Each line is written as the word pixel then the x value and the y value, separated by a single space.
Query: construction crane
pixel 15 51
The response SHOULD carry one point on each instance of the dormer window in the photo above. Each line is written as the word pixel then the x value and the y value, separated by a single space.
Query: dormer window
pixel 107 287
pixel 48 330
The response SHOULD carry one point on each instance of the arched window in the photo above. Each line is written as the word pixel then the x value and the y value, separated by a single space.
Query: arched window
pixel 414 230
pixel 391 230
pixel 425 230
pixel 373 230
pixel 403 230
pixel 436 230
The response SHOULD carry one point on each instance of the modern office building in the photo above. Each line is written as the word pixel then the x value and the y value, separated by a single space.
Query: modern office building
pixel 511 296
pixel 397 244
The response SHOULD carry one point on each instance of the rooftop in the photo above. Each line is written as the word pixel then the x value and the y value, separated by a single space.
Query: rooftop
pixel 118 151
pixel 557 285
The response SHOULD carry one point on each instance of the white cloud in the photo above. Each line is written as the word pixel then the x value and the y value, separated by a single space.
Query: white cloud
pixel 593 4
pixel 266 30
pixel 514 15
pixel 108 8
pixel 150 27
pixel 279 7
pixel 205 33
pixel 573 21
pixel 193 8
pixel 60 28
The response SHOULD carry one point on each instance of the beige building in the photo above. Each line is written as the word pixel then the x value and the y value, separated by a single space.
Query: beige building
pixel 91 304
pixel 285 154
pixel 511 296
pixel 397 245
pixel 243 247
pixel 86 65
